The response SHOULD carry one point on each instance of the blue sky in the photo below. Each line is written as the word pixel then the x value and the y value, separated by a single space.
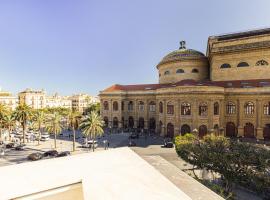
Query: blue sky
pixel 70 46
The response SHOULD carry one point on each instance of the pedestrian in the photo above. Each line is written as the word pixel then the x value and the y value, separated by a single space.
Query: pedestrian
pixel 108 144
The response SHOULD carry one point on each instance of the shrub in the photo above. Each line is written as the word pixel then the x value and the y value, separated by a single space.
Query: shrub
pixel 241 163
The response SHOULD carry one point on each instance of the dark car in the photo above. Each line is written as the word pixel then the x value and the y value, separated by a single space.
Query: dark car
pixel 35 156
pixel 134 136
pixel 168 144
pixel 10 145
pixel 20 147
pixel 132 144
pixel 51 153
pixel 63 154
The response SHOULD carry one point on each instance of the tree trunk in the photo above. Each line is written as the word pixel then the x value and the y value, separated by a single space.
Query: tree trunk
pixel 94 143
pixel 24 124
pixel 74 138
pixel 9 130
pixel 39 135
pixel 54 138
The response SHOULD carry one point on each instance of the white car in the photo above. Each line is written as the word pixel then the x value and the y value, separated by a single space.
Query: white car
pixel 45 137
pixel 92 141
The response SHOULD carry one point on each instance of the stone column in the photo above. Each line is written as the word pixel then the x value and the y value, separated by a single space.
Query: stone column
pixel 195 114
pixel 146 114
pixel 135 113
pixel 164 117
pixel 240 113
pixel 177 117
pixel 222 117
pixel 259 130
pixel 210 114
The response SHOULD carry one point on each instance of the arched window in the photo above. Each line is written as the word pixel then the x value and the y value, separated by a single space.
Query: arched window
pixel 266 108
pixel 166 72
pixel 230 108
pixel 216 108
pixel 130 106
pixel 185 109
pixel 180 71
pixel 115 106
pixel 195 71
pixel 170 108
pixel 243 64
pixel 261 63
pixel 160 107
pixel 249 108
pixel 106 105
pixel 141 106
pixel 203 109
pixel 152 106
pixel 225 65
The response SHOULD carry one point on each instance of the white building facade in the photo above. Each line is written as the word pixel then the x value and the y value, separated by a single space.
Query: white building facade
pixel 36 99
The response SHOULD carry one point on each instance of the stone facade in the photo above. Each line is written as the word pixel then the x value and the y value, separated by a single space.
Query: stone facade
pixel 36 99
pixel 228 95
pixel 7 99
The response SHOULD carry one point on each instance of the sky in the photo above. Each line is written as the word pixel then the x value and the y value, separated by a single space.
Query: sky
pixel 85 46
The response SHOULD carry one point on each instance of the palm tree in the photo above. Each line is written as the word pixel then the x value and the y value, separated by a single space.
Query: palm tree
pixel 39 120
pixel 9 122
pixel 54 125
pixel 73 121
pixel 23 113
pixel 91 126
pixel 3 112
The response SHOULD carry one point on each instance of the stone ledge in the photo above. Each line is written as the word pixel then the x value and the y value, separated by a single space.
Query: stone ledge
pixel 184 182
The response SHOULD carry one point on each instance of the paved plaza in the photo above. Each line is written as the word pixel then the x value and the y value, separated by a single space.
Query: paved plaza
pixel 151 149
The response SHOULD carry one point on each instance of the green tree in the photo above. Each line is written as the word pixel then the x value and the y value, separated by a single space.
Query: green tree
pixel 73 122
pixel 53 125
pixel 93 107
pixel 23 113
pixel 3 113
pixel 9 122
pixel 91 126
pixel 39 119
pixel 237 162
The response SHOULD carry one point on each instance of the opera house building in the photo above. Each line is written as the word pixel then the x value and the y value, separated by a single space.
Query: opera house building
pixel 225 91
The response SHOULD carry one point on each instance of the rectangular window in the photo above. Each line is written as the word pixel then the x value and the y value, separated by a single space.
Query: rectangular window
pixel 152 108
pixel 170 109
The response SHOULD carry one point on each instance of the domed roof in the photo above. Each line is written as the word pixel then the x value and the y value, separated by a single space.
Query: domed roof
pixel 182 54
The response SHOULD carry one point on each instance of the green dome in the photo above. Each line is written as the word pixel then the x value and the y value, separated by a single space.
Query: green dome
pixel 182 54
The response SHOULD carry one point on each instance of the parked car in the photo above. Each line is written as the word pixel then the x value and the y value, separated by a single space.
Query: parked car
pixel 168 144
pixel 51 153
pixel 45 137
pixel 63 154
pixel 35 156
pixel 10 145
pixel 20 147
